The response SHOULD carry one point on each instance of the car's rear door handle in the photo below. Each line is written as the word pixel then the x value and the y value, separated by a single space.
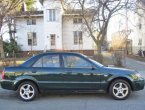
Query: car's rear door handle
pixel 68 72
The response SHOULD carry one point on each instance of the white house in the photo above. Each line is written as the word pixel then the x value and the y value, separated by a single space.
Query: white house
pixel 134 23
pixel 141 24
pixel 137 25
pixel 51 29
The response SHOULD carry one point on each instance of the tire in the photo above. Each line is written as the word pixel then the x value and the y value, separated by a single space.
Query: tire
pixel 120 89
pixel 27 91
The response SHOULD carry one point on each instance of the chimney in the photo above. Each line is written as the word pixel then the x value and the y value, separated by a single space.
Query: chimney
pixel 24 7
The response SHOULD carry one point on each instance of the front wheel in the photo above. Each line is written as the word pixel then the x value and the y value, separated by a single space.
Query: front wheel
pixel 27 91
pixel 120 89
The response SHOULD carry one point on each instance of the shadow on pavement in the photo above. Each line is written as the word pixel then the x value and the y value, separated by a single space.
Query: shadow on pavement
pixel 12 95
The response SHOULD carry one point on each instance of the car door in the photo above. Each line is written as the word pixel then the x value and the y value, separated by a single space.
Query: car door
pixel 80 73
pixel 47 71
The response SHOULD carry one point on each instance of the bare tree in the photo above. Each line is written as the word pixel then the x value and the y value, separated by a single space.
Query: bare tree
pixel 7 8
pixel 99 13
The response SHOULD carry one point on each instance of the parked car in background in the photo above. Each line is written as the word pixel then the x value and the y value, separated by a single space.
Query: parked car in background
pixel 63 71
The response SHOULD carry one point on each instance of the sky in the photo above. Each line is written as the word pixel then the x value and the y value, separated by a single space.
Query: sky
pixel 118 23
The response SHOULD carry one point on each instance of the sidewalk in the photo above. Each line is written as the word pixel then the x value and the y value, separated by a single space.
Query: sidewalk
pixel 131 64
pixel 136 65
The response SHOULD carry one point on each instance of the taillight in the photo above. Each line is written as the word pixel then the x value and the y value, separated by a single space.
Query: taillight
pixel 3 74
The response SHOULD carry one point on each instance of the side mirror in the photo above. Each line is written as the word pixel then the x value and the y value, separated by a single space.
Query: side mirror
pixel 111 65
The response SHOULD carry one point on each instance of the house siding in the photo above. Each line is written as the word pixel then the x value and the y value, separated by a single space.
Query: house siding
pixel 63 28
pixel 22 30
pixel 68 37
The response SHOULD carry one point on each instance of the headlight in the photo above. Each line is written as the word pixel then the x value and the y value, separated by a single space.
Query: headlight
pixel 136 76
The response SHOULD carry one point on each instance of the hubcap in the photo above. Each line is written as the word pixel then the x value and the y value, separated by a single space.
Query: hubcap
pixel 26 91
pixel 120 90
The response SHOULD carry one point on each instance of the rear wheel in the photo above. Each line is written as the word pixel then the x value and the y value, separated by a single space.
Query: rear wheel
pixel 120 89
pixel 27 91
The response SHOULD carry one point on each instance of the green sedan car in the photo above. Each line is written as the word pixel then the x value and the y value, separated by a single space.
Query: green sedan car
pixel 64 71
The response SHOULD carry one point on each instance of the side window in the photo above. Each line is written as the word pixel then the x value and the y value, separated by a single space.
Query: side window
pixel 71 61
pixel 51 61
pixel 48 61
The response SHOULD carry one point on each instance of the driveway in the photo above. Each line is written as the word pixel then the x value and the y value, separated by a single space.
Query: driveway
pixel 9 101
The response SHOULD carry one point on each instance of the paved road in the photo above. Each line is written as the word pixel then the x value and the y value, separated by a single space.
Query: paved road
pixel 9 101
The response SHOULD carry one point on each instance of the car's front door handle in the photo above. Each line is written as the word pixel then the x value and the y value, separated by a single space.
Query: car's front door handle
pixel 34 71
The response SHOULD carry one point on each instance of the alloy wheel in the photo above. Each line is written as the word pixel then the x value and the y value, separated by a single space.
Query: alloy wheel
pixel 27 91
pixel 120 90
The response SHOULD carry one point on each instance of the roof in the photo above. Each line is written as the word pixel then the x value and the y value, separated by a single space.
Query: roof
pixel 78 12
pixel 29 13
pixel 59 52
pixel 143 2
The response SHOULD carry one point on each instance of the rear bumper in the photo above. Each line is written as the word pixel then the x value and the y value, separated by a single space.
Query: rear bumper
pixel 138 84
pixel 7 84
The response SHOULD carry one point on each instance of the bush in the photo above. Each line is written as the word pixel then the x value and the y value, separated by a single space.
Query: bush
pixel 10 47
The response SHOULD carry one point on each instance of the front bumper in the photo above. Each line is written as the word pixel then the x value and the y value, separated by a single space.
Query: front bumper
pixel 7 84
pixel 138 84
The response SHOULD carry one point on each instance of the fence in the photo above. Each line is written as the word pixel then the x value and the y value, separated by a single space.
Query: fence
pixel 117 56
pixel 11 58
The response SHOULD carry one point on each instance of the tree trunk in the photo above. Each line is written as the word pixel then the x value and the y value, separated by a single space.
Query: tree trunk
pixel 2 48
pixel 98 55
pixel 2 55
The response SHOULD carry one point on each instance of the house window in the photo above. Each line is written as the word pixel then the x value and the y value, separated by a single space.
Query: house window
pixel 51 15
pixel 32 39
pixel 140 41
pixel 77 20
pixel 31 21
pixel 78 39
pixel 140 25
pixel 52 37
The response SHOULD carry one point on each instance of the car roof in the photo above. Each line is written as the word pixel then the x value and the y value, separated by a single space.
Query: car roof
pixel 45 53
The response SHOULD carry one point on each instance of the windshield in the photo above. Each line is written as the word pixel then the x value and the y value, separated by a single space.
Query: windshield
pixel 97 63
